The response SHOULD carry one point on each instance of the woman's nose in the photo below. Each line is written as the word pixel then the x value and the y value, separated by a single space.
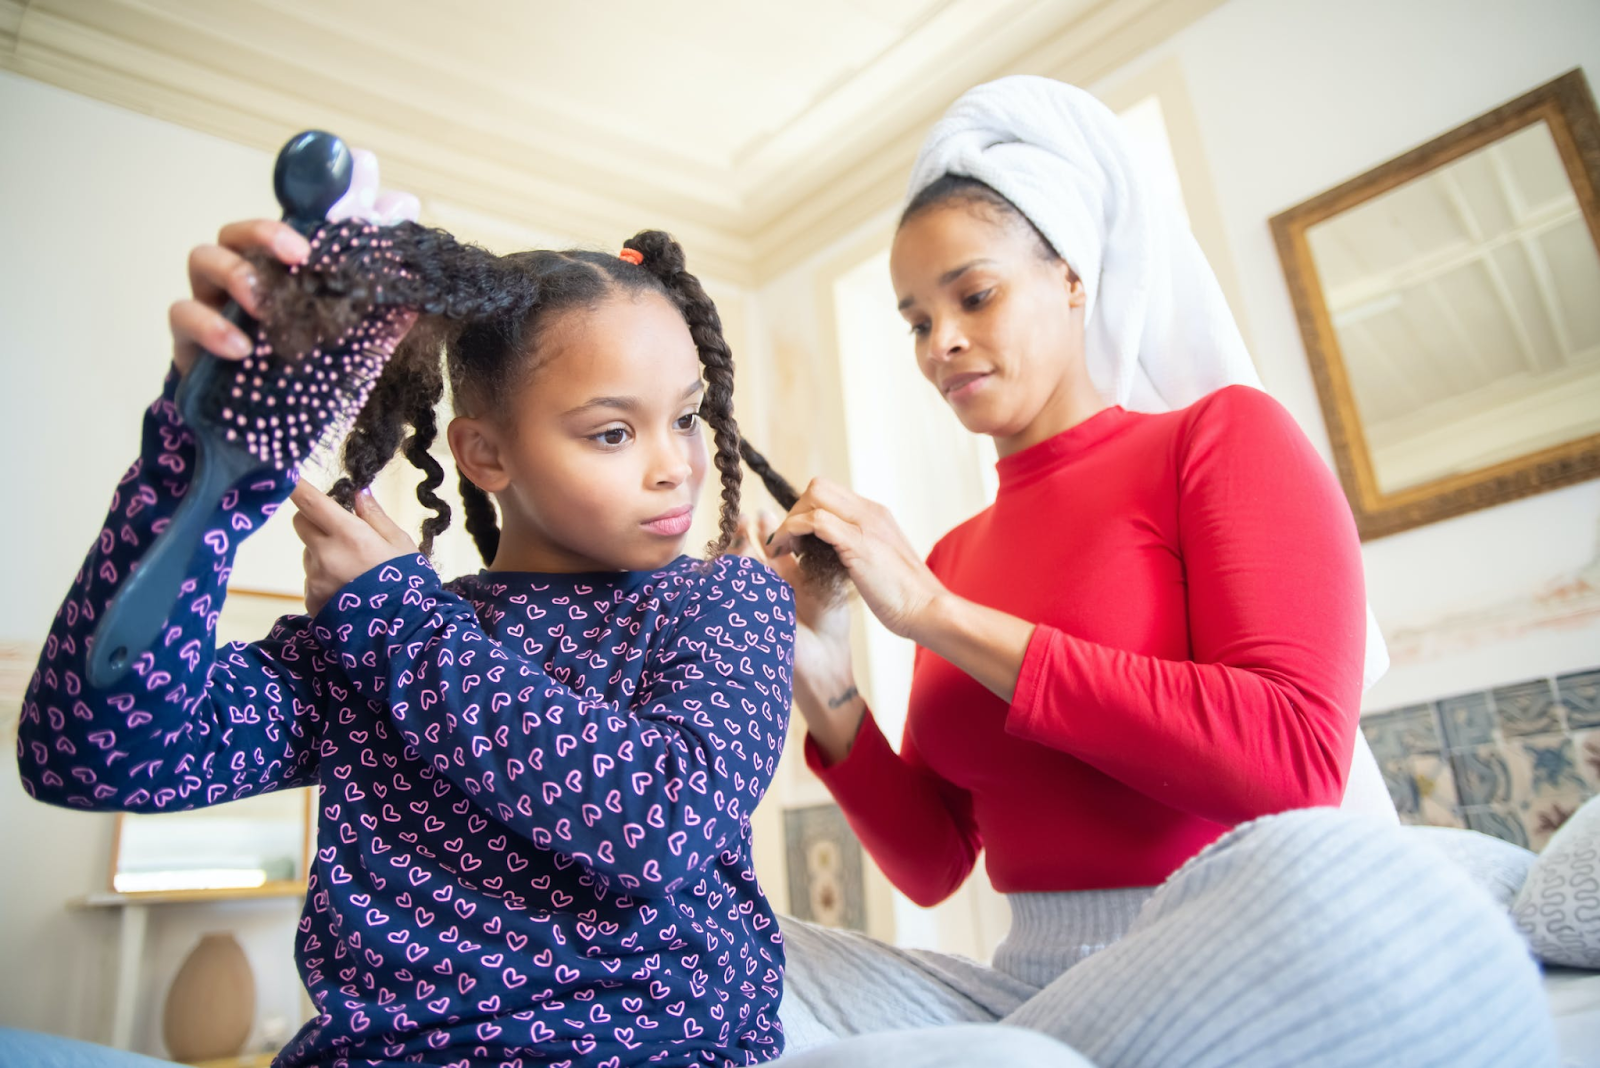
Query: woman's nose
pixel 946 339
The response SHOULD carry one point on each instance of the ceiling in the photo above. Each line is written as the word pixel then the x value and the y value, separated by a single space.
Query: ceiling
pixel 754 130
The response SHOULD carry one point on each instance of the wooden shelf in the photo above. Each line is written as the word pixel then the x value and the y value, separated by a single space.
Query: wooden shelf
pixel 113 900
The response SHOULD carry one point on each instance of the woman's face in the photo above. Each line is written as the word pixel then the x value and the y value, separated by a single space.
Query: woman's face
pixel 998 324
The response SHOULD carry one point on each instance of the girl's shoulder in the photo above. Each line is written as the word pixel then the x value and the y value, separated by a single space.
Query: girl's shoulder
pixel 730 577
pixel 686 580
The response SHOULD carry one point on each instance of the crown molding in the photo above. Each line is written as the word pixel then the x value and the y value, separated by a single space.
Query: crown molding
pixel 786 196
pixel 151 61
pixel 1096 44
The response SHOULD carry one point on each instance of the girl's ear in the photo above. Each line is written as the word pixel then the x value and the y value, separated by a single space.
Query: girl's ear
pixel 478 452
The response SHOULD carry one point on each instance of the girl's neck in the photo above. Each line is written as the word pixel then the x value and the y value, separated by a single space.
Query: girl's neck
pixel 522 550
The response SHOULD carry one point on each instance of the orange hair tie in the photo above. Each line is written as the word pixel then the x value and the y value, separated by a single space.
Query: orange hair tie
pixel 632 255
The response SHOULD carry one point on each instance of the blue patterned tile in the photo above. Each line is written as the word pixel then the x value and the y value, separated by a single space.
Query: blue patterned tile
pixel 1527 708
pixel 1402 786
pixel 1401 732
pixel 1466 720
pixel 1543 817
pixel 1587 746
pixel 1482 773
pixel 1499 821
pixel 1435 783
pixel 1580 694
pixel 1543 765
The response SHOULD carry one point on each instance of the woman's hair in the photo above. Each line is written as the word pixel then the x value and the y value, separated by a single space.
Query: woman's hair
pixel 958 189
pixel 481 318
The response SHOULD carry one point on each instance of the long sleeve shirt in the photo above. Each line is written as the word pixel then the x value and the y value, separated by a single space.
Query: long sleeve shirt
pixel 1196 584
pixel 534 828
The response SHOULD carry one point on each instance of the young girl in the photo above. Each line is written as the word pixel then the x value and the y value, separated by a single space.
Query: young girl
pixel 534 843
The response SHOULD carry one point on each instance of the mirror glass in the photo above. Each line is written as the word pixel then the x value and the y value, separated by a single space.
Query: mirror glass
pixel 1464 303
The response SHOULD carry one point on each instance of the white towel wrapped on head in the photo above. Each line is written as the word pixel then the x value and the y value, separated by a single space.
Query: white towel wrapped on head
pixel 1158 333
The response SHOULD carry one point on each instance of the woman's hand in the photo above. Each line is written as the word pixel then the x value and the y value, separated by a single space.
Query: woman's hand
pixel 341 547
pixel 824 674
pixel 890 575
pixel 218 272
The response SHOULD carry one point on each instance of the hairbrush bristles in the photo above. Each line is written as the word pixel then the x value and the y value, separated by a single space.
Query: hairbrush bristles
pixel 282 407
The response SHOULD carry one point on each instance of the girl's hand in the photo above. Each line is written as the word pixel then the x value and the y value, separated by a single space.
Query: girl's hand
pixel 341 547
pixel 218 272
pixel 890 575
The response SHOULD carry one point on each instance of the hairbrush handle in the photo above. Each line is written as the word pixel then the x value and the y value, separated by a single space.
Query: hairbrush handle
pixel 312 174
pixel 134 619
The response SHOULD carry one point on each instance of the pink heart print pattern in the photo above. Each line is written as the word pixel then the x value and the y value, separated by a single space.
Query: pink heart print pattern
pixel 534 838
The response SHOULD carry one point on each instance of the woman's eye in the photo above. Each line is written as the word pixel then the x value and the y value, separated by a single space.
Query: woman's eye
pixel 919 329
pixel 978 299
pixel 615 436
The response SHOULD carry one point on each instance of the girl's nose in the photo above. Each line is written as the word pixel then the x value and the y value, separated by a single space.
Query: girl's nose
pixel 672 466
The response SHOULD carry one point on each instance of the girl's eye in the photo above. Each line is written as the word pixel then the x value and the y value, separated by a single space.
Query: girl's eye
pixel 919 329
pixel 617 435
pixel 689 422
pixel 977 299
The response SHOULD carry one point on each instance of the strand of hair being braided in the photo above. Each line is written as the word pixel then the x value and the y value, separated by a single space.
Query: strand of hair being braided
pixel 819 562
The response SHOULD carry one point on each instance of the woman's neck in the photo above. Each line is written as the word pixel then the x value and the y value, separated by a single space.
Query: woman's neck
pixel 1074 401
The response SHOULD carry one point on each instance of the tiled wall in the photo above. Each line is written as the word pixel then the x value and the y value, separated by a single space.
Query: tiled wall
pixel 1514 761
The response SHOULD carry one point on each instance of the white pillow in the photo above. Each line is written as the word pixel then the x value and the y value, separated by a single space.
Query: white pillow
pixel 1559 906
pixel 1499 866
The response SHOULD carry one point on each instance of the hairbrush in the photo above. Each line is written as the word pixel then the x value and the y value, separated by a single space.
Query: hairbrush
pixel 267 411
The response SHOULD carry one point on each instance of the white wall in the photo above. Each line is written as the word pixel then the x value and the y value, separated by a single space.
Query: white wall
pixel 99 207
pixel 1293 97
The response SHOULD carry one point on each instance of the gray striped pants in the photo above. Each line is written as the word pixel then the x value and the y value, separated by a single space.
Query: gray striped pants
pixel 1311 938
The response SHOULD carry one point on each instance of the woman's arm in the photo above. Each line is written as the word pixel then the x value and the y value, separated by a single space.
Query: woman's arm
pixel 1262 718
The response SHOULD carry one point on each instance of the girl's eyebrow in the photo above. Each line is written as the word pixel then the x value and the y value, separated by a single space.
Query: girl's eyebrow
pixel 948 277
pixel 626 404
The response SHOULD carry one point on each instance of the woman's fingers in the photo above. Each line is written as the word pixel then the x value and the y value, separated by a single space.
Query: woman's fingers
pixel 217 273
pixel 196 326
pixel 282 240
pixel 836 531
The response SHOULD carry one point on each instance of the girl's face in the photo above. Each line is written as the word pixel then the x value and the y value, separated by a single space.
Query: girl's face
pixel 601 460
pixel 998 326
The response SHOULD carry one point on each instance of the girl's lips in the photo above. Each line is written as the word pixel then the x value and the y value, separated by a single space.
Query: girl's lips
pixel 671 524
pixel 961 387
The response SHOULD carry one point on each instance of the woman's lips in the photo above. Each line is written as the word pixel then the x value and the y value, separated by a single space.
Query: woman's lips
pixel 963 386
pixel 671 524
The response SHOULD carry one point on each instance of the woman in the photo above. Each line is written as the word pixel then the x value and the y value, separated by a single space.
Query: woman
pixel 1130 668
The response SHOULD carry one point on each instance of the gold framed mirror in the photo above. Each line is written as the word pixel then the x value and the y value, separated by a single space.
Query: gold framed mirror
pixel 1450 305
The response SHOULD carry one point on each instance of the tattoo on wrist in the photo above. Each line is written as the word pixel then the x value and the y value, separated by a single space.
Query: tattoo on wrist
pixel 843 699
